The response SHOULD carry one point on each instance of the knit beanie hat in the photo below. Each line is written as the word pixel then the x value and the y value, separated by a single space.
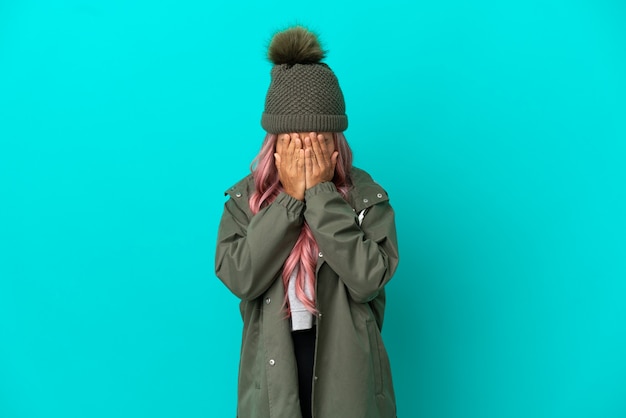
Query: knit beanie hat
pixel 304 93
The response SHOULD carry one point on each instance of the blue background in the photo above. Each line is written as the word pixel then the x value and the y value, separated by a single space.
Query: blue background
pixel 498 129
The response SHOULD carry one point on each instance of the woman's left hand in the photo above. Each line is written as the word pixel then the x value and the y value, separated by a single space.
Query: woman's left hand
pixel 319 165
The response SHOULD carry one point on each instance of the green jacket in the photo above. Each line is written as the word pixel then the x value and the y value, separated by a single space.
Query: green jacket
pixel 352 370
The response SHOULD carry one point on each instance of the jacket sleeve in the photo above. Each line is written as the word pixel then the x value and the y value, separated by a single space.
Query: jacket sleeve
pixel 364 257
pixel 250 254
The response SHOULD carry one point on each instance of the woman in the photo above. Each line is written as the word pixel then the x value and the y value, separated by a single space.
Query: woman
pixel 307 242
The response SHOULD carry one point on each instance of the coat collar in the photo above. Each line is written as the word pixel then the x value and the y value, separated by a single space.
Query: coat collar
pixel 365 192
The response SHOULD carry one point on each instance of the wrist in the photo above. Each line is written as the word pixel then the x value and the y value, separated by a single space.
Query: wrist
pixel 313 184
pixel 296 195
pixel 321 187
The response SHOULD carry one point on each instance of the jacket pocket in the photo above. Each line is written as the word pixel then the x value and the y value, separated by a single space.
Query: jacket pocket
pixel 375 357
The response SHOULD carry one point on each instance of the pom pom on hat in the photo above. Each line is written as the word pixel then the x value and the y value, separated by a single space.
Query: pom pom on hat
pixel 304 93
pixel 296 45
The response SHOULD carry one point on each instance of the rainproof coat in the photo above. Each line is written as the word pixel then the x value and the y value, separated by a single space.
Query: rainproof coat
pixel 352 373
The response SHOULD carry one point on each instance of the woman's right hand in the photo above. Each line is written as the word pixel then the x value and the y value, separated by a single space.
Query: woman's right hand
pixel 289 159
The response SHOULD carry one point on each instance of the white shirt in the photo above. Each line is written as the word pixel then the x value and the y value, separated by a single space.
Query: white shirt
pixel 300 317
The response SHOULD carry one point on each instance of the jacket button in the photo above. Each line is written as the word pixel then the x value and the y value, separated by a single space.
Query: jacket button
pixel 321 254
pixel 315 377
pixel 379 195
pixel 268 301
pixel 238 194
pixel 272 362
pixel 365 200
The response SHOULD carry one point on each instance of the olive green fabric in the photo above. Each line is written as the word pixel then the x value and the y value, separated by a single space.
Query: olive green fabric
pixel 352 370
pixel 304 98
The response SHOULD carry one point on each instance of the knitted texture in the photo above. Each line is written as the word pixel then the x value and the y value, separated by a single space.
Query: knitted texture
pixel 304 97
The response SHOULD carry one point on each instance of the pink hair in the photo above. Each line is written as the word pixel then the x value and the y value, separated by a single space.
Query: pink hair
pixel 303 256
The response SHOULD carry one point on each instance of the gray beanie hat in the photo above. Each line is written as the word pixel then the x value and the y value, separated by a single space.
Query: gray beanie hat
pixel 304 94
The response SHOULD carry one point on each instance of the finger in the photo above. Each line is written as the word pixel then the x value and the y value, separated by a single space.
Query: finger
pixel 312 135
pixel 314 169
pixel 310 156
pixel 308 164
pixel 307 142
pixel 292 144
pixel 283 144
pixel 301 162
pixel 277 163
pixel 298 157
pixel 324 149
pixel 295 136
pixel 314 161
pixel 333 160
pixel 320 157
pixel 289 153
